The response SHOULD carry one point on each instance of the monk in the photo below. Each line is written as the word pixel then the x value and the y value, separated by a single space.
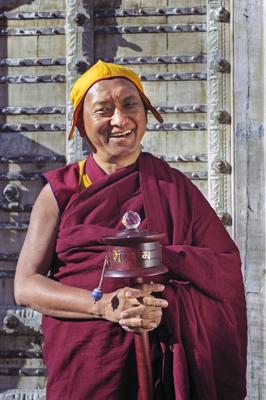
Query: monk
pixel 195 314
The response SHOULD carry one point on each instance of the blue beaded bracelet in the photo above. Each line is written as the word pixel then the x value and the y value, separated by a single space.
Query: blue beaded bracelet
pixel 97 293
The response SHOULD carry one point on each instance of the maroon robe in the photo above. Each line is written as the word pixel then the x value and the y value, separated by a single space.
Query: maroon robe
pixel 199 350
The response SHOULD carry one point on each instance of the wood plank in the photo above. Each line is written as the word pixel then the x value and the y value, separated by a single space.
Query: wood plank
pixel 250 179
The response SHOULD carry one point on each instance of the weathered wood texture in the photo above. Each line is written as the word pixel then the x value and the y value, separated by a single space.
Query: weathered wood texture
pixel 249 151
pixel 240 145
pixel 21 366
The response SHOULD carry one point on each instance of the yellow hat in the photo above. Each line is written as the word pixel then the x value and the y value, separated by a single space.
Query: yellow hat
pixel 100 71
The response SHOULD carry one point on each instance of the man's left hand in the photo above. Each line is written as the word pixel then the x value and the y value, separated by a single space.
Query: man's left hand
pixel 148 314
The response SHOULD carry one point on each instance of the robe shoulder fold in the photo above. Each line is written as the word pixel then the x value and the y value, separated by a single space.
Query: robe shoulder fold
pixel 64 183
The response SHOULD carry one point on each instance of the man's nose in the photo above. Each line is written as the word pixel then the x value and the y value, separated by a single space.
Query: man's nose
pixel 119 118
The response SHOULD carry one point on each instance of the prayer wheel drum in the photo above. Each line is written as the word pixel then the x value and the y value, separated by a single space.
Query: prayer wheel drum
pixel 134 256
pixel 134 253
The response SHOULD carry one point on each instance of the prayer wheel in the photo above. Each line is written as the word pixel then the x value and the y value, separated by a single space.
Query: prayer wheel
pixel 133 252
pixel 136 254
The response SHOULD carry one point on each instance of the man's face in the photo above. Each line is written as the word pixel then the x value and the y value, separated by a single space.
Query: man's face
pixel 115 120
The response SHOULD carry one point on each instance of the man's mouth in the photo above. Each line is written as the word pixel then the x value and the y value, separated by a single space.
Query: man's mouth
pixel 121 134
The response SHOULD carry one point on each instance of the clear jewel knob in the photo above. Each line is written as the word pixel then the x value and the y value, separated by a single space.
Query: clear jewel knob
pixel 131 220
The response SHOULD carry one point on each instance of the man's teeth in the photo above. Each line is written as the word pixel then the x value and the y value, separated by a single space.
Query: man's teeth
pixel 117 134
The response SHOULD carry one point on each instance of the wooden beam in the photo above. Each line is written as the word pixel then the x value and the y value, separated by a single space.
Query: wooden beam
pixel 249 153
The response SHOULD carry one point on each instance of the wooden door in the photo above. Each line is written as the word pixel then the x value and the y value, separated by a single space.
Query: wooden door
pixel 32 139
pixel 183 54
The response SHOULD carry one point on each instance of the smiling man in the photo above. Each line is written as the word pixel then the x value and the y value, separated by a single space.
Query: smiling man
pixel 115 119
pixel 196 319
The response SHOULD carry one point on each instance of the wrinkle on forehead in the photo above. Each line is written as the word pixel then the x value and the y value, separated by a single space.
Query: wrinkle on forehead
pixel 108 89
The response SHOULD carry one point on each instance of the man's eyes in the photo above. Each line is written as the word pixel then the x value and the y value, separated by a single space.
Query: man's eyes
pixel 131 104
pixel 128 105
pixel 103 109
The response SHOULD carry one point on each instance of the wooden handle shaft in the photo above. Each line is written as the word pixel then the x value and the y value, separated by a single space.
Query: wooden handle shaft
pixel 144 367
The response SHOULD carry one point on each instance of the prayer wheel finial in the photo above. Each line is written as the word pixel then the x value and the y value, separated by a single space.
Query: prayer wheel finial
pixel 131 220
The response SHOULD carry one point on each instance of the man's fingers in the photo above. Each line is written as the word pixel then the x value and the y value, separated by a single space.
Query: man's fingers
pixel 126 328
pixel 148 289
pixel 135 293
pixel 132 322
pixel 137 330
pixel 152 287
pixel 142 312
pixel 154 302
pixel 133 312
pixel 137 323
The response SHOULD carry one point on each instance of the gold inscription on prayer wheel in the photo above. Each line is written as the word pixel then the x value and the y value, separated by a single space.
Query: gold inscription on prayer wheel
pixel 117 255
pixel 146 255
